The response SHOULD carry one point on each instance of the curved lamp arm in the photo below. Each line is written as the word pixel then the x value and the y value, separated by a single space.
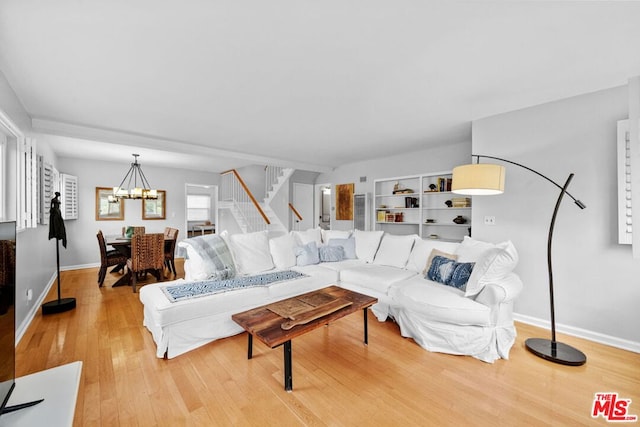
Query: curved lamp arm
pixel 576 201
pixel 550 349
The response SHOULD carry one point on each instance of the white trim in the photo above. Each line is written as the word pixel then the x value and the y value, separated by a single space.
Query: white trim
pixel 22 328
pixel 580 333
pixel 123 138
pixel 9 125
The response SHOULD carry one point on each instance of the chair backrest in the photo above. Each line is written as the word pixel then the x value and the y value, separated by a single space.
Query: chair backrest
pixel 103 247
pixel 171 233
pixel 130 231
pixel 147 251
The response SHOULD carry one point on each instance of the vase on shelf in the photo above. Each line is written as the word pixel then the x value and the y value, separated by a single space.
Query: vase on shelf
pixel 460 220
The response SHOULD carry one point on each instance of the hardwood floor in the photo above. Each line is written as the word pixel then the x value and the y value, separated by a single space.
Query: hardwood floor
pixel 336 379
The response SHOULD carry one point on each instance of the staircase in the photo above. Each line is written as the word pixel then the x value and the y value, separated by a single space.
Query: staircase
pixel 249 214
pixel 275 178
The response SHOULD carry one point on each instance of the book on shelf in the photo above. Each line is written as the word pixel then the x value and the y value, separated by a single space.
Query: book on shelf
pixel 461 202
pixel 444 184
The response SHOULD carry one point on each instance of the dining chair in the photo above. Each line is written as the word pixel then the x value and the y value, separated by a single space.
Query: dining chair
pixel 136 230
pixel 108 258
pixel 147 255
pixel 170 248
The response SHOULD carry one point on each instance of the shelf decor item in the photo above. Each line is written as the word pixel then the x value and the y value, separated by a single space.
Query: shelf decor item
pixel 488 179
pixel 460 220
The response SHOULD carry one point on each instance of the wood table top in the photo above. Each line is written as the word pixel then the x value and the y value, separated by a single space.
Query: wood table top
pixel 267 325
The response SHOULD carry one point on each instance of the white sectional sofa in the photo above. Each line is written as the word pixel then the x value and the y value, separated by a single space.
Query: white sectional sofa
pixel 469 315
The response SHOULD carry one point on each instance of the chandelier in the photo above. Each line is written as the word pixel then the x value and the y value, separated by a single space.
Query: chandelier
pixel 140 189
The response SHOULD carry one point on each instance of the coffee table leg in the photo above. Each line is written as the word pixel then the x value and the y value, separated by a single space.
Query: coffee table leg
pixel 366 327
pixel 250 346
pixel 288 374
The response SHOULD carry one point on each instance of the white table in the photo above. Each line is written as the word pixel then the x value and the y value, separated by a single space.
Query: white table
pixel 204 228
pixel 59 389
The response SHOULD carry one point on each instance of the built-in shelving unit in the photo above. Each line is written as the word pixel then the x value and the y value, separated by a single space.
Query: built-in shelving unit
pixel 423 205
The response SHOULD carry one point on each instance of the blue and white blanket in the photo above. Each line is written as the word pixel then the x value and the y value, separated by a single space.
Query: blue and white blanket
pixel 208 287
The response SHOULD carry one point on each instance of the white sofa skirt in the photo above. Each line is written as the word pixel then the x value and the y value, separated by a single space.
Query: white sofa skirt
pixel 439 318
pixel 178 327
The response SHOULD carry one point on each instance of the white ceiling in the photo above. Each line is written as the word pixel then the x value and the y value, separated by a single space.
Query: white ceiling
pixel 314 84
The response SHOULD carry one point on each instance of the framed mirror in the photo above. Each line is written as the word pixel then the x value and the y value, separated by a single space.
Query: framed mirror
pixel 155 209
pixel 106 210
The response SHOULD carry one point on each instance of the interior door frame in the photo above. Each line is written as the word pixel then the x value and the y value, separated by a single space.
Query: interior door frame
pixel 214 198
pixel 317 213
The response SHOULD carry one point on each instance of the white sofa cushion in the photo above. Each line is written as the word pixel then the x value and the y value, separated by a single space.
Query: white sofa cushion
pixel 310 235
pixel 251 252
pixel 492 262
pixel 334 234
pixel 282 251
pixel 422 250
pixel 375 277
pixel 439 303
pixel 367 243
pixel 394 250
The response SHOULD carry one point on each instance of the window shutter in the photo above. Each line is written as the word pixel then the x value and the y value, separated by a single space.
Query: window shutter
pixel 625 223
pixel 69 196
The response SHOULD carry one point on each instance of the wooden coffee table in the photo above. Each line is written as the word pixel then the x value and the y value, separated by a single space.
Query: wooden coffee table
pixel 325 306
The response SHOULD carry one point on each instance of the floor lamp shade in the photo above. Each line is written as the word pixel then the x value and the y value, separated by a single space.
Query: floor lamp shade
pixel 481 179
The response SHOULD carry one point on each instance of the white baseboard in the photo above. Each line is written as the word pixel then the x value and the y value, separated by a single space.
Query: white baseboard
pixel 20 330
pixel 79 266
pixel 581 333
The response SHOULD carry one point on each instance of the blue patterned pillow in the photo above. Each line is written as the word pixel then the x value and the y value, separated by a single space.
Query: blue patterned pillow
pixel 449 272
pixel 331 253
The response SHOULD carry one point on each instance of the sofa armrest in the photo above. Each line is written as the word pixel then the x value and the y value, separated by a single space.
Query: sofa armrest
pixel 505 290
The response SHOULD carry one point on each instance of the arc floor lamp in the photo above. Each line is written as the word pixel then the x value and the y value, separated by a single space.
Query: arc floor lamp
pixel 488 179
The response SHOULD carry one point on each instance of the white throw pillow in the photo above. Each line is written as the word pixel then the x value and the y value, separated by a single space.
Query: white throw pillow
pixel 334 234
pixel 421 251
pixel 282 251
pixel 367 243
pixel 394 250
pixel 307 254
pixel 349 246
pixel 492 262
pixel 251 252
pixel 310 235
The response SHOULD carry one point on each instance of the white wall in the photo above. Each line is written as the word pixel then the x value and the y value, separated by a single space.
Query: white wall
pixel 436 159
pixel 597 283
pixel 35 261
pixel 82 247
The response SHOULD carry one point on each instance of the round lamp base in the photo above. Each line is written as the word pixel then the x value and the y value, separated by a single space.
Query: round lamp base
pixel 59 306
pixel 555 351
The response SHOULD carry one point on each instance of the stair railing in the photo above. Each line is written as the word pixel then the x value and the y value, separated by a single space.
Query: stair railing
pixel 297 216
pixel 233 189
pixel 271 175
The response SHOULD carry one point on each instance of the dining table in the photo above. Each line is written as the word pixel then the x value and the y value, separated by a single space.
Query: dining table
pixel 123 245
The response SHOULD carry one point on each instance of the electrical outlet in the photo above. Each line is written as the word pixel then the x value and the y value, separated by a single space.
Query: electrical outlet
pixel 29 294
pixel 489 220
